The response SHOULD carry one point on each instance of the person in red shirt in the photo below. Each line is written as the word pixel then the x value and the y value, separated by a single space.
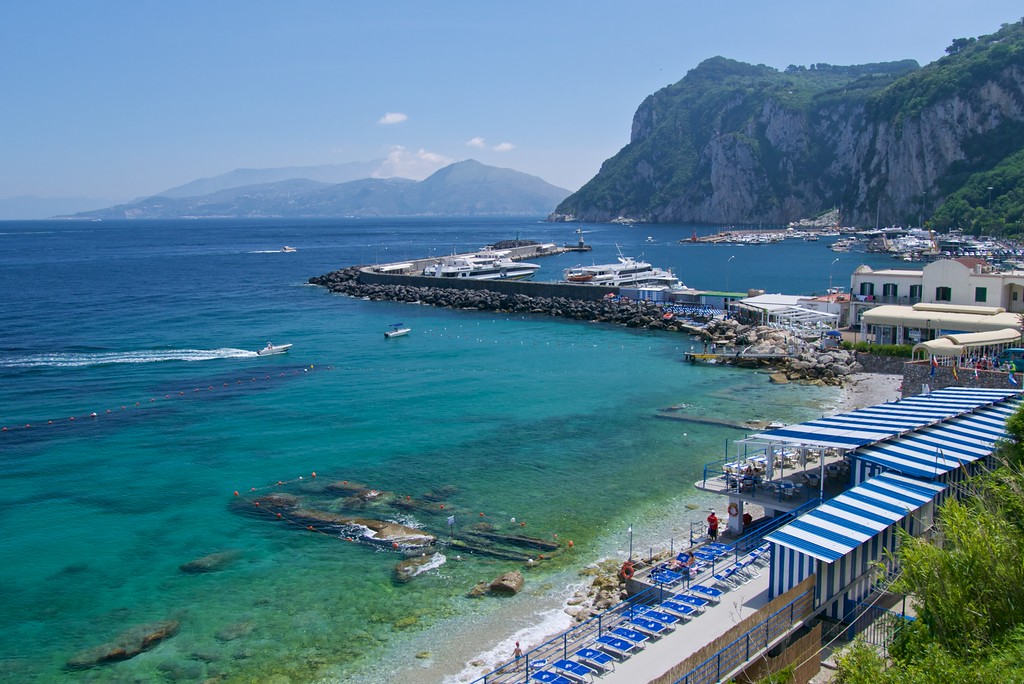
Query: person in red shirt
pixel 712 526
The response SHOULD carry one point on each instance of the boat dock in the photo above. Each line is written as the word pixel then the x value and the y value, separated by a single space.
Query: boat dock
pixel 731 357
pixel 534 251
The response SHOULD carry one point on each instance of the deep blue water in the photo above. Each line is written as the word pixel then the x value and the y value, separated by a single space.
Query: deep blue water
pixel 151 326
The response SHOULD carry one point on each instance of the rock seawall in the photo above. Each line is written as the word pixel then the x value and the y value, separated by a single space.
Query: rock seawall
pixel 632 314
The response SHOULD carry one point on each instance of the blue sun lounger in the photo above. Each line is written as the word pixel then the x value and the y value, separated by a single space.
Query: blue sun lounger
pixel 628 634
pixel 679 608
pixel 705 556
pixel 710 593
pixel 620 648
pixel 695 601
pixel 664 618
pixel 668 577
pixel 648 626
pixel 551 677
pixel 595 659
pixel 574 670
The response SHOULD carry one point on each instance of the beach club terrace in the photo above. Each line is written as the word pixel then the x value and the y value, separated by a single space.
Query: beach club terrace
pixel 835 489
pixel 715 610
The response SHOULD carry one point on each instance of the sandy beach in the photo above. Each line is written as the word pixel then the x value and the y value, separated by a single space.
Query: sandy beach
pixel 868 389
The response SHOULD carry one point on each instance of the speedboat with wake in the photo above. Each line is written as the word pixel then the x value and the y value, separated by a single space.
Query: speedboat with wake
pixel 272 348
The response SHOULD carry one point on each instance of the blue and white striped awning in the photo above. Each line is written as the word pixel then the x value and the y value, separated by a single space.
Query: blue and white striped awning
pixel 884 421
pixel 844 523
pixel 936 450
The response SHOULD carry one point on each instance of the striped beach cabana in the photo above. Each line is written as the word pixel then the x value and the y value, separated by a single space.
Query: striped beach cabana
pixel 855 430
pixel 945 453
pixel 842 540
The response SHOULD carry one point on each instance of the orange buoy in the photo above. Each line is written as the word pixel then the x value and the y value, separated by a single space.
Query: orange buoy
pixel 570 543
pixel 522 524
pixel 236 492
pixel 314 474
pixel 627 570
pixel 408 498
pixel 310 528
pixel 481 515
pixel 256 503
pixel 442 507
pixel 278 515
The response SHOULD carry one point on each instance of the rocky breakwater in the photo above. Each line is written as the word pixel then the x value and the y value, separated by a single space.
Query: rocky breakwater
pixel 793 358
pixel 629 313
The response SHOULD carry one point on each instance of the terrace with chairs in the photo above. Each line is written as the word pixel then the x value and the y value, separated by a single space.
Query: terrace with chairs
pixel 672 615
pixel 778 479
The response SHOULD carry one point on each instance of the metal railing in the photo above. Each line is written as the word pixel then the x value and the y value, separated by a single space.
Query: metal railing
pixel 755 640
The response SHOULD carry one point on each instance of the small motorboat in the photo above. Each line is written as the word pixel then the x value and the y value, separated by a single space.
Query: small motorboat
pixel 272 348
pixel 397 330
pixel 287 248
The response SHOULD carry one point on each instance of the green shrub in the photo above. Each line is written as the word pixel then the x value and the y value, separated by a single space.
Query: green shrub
pixel 898 350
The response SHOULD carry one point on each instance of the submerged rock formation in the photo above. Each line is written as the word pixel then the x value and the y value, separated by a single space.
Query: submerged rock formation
pixel 126 645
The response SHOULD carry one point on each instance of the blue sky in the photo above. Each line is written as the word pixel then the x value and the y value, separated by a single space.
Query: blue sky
pixel 120 99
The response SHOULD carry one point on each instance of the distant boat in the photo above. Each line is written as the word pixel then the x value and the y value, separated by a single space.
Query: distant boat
pixel 484 265
pixel 397 330
pixel 273 349
pixel 286 248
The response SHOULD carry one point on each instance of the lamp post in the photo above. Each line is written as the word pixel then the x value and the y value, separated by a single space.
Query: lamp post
pixel 830 274
pixel 727 271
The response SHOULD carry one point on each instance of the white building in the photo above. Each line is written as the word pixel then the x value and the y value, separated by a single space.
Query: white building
pixel 963 284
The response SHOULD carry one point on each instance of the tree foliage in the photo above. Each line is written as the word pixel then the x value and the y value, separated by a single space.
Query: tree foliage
pixel 967 585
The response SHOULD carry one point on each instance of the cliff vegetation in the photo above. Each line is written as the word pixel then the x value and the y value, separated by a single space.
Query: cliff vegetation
pixel 893 142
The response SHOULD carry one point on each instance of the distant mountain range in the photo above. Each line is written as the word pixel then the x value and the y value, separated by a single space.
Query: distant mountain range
pixel 465 188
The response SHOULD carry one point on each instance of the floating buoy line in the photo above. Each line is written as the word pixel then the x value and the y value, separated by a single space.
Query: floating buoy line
pixel 168 396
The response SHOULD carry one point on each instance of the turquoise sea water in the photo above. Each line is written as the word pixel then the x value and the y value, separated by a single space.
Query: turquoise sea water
pixel 152 327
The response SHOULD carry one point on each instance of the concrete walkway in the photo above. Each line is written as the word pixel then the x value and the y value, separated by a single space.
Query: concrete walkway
pixel 662 655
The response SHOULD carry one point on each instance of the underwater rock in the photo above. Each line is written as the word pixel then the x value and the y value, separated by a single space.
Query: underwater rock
pixel 411 567
pixel 235 631
pixel 509 584
pixel 211 562
pixel 126 645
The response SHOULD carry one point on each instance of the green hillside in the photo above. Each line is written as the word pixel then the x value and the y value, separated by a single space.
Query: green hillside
pixel 738 143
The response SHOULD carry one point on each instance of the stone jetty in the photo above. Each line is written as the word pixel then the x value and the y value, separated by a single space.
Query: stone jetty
pixel 632 314
pixel 793 358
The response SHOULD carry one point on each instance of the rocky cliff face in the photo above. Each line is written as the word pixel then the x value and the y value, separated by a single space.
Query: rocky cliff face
pixel 734 143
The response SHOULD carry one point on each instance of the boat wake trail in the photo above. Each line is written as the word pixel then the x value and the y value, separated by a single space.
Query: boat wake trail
pixel 78 360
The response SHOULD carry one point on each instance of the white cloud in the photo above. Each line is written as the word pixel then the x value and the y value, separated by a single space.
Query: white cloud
pixel 392 118
pixel 477 142
pixel 416 165
pixel 504 147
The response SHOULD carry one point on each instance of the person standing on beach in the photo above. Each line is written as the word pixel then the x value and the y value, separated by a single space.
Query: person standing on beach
pixel 517 654
pixel 712 526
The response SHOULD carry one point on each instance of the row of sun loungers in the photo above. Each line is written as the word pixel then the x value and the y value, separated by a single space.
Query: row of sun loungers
pixel 654 621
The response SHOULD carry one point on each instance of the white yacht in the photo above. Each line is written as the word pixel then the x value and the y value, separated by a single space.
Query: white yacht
pixel 628 272
pixel 485 265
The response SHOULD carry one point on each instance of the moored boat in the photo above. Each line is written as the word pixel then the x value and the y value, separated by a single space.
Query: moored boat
pixel 485 265
pixel 397 331
pixel 628 272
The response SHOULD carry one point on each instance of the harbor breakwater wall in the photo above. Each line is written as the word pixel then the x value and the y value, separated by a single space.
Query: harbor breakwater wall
pixel 577 302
